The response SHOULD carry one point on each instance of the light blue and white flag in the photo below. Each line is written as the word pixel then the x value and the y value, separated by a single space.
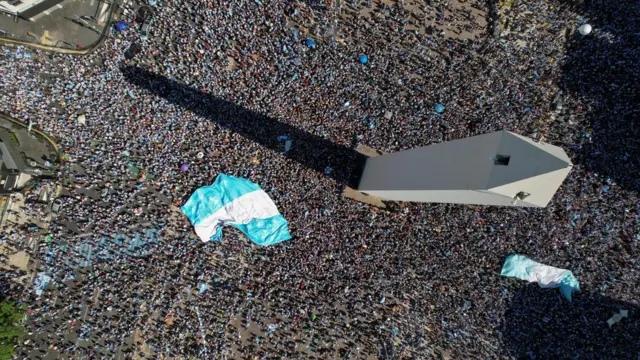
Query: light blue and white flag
pixel 41 281
pixel 237 202
pixel 546 276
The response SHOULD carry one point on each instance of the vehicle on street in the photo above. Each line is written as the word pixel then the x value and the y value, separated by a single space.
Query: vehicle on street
pixel 56 206
pixel 145 28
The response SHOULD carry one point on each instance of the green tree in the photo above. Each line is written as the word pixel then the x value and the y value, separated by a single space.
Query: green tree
pixel 10 330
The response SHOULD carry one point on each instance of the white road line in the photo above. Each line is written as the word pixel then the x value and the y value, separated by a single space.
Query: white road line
pixel 103 13
pixel 37 17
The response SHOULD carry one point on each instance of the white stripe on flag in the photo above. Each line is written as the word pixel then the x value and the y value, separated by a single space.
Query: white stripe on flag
pixel 254 205
pixel 547 276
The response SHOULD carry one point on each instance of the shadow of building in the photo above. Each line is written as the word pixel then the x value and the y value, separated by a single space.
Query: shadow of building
pixel 602 71
pixel 312 151
pixel 540 324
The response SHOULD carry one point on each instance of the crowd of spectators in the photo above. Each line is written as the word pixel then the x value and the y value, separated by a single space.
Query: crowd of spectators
pixel 227 79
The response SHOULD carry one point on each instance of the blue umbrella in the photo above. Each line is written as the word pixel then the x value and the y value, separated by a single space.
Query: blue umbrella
pixel 439 108
pixel 364 59
pixel 311 43
pixel 121 26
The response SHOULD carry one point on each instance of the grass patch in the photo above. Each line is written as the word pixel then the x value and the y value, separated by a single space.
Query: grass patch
pixel 13 138
pixel 10 329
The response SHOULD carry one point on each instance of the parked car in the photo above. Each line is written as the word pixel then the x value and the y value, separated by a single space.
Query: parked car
pixel 145 28
pixel 132 51
pixel 56 205
pixel 144 13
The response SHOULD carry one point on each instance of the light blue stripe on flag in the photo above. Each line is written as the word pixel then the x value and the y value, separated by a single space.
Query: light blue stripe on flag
pixel 208 199
pixel 266 232
pixel 546 276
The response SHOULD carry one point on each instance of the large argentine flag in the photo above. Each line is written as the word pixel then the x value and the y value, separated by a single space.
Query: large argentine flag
pixel 237 202
pixel 546 276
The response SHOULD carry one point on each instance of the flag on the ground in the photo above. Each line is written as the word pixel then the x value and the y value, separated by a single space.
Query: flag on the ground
pixel 546 276
pixel 239 203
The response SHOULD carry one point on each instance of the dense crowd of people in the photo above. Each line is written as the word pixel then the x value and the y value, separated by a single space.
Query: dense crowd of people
pixel 231 81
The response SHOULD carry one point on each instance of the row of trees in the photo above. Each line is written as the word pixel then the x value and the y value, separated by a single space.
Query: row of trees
pixel 10 330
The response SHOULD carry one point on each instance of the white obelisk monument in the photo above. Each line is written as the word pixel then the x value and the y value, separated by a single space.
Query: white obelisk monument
pixel 500 168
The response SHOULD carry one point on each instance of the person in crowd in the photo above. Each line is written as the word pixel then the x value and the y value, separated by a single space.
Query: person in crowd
pixel 355 281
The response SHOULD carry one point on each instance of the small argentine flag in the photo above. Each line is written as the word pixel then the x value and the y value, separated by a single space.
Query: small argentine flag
pixel 237 202
pixel 546 276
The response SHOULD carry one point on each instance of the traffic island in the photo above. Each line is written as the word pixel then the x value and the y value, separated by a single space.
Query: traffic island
pixel 26 155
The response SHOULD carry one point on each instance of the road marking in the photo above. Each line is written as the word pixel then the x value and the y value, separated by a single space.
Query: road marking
pixel 34 18
pixel 104 12
pixel 45 39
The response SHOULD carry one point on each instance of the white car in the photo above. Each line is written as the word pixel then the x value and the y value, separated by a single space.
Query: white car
pixel 56 205
pixel 145 28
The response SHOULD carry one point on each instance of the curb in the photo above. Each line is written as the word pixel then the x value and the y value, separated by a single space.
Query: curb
pixel 86 51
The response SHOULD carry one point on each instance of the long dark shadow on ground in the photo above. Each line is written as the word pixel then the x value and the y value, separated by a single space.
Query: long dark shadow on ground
pixel 312 151
pixel 10 289
pixel 539 324
pixel 600 69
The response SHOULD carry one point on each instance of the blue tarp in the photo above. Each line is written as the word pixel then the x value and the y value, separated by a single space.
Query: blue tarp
pixel 121 26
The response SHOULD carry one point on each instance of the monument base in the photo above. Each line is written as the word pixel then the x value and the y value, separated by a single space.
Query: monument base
pixel 350 191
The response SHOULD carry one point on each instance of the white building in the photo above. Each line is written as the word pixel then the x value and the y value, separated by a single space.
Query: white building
pixel 500 168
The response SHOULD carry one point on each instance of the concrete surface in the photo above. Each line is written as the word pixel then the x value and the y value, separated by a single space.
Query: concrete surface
pixel 19 259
